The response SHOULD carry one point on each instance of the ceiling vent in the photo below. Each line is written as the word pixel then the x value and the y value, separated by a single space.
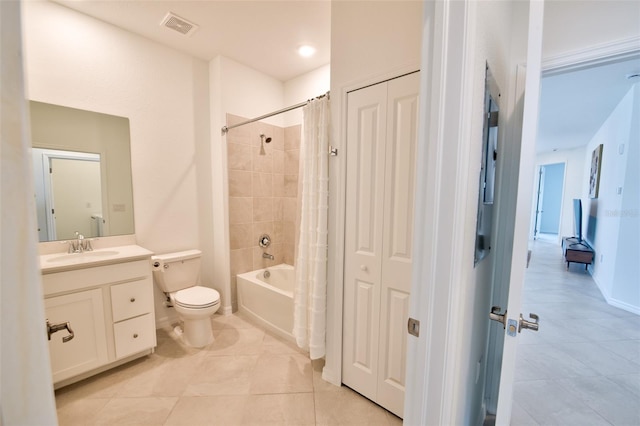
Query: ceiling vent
pixel 179 24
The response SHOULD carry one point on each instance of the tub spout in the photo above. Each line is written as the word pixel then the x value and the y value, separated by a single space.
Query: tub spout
pixel 267 256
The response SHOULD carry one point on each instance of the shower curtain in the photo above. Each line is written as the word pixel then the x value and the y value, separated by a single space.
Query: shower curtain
pixel 310 291
pixel 26 394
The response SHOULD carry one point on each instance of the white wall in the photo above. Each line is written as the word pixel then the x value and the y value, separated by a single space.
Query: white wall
pixel 80 62
pixel 576 25
pixel 625 291
pixel 613 215
pixel 302 88
pixel 573 184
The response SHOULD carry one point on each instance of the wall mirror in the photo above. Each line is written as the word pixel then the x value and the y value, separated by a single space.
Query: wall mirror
pixel 486 186
pixel 82 172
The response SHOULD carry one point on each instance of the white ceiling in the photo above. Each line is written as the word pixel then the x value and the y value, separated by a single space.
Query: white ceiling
pixel 264 35
pixel 573 105
pixel 261 34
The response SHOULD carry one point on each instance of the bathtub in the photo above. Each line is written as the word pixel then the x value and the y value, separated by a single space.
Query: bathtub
pixel 269 300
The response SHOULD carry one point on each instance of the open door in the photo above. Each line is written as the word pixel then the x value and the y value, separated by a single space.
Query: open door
pixel 513 321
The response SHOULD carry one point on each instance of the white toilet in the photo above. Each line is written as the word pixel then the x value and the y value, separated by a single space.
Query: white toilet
pixel 177 275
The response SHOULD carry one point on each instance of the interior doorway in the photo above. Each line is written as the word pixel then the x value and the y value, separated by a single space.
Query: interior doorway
pixel 550 190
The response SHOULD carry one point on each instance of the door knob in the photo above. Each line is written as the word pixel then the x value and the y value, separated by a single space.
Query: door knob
pixel 530 325
pixel 495 315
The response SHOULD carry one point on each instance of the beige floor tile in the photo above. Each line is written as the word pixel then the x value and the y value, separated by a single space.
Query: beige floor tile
pixel 167 378
pixel 103 385
pixel 277 345
pixel 218 321
pixel 239 320
pixel 208 410
pixel 236 341
pixel 222 375
pixel 80 411
pixel 170 345
pixel 282 373
pixel 347 407
pixel 136 411
pixel 246 376
pixel 393 420
pixel 295 409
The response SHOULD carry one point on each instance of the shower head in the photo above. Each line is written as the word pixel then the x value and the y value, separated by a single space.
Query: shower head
pixel 262 141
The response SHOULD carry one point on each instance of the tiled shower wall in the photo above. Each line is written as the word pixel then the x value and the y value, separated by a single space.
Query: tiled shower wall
pixel 263 191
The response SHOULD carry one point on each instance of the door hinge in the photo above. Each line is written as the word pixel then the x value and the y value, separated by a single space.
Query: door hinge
pixel 413 326
pixel 333 151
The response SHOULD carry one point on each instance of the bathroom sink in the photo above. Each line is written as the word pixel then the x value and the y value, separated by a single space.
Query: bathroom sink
pixel 70 257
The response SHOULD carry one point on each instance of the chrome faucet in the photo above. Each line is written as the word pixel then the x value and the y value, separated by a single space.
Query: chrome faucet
pixel 80 244
pixel 266 255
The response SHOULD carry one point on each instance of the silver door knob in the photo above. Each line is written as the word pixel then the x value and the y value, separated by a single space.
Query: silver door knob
pixel 530 325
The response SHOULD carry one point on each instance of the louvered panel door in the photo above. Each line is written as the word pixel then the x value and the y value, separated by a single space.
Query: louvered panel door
pixel 381 143
pixel 397 250
pixel 363 243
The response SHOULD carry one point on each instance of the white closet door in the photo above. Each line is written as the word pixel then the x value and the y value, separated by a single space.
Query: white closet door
pixel 363 240
pixel 397 250
pixel 381 143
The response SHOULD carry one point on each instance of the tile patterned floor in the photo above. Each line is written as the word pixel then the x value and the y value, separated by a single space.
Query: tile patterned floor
pixel 245 377
pixel 583 366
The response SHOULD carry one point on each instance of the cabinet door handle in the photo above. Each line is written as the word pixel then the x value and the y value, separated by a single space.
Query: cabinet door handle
pixel 133 299
pixel 54 328
pixel 135 335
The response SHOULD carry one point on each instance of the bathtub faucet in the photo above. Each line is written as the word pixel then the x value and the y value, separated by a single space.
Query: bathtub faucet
pixel 267 256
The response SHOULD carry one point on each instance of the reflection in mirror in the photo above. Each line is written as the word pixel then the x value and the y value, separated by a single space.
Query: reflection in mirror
pixel 486 187
pixel 82 172
pixel 66 204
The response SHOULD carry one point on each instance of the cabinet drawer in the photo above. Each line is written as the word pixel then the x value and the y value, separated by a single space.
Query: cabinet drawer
pixel 134 335
pixel 132 299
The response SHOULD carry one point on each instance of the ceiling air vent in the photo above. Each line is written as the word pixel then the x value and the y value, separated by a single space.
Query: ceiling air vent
pixel 178 24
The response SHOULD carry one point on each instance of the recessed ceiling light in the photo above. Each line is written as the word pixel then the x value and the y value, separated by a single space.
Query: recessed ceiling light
pixel 306 51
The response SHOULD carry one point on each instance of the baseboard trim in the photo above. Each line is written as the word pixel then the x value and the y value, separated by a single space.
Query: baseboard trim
pixel 615 302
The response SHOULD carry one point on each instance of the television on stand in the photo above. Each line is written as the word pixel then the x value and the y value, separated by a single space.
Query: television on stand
pixel 577 222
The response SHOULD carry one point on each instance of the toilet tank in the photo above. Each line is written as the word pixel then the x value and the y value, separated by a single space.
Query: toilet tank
pixel 176 271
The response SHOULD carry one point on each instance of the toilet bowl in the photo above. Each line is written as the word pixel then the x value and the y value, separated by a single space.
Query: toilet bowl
pixel 177 275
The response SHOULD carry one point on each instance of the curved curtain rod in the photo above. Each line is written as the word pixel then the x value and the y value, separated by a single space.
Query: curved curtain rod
pixel 225 129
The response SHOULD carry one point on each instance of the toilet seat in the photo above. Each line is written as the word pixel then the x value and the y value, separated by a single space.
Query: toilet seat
pixel 196 297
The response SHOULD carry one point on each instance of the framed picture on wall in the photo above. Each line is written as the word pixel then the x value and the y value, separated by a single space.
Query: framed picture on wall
pixel 594 174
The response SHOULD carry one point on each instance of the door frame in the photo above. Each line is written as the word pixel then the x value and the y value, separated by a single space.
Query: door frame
pixel 47 155
pixel 535 216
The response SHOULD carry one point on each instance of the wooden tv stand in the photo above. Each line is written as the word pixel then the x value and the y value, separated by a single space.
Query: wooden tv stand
pixel 577 252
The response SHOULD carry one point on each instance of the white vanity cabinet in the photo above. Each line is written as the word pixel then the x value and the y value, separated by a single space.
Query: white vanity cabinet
pixel 109 308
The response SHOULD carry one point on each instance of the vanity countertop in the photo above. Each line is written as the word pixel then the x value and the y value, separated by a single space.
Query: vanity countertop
pixel 60 262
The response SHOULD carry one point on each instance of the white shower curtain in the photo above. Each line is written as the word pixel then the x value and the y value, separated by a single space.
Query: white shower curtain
pixel 310 292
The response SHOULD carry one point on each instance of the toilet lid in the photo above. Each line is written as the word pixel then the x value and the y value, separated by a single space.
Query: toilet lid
pixel 197 297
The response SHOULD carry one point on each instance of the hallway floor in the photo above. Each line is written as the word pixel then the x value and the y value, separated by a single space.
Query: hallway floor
pixel 245 377
pixel 583 366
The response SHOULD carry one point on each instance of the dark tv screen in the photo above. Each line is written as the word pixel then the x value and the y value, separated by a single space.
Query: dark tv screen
pixel 577 219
